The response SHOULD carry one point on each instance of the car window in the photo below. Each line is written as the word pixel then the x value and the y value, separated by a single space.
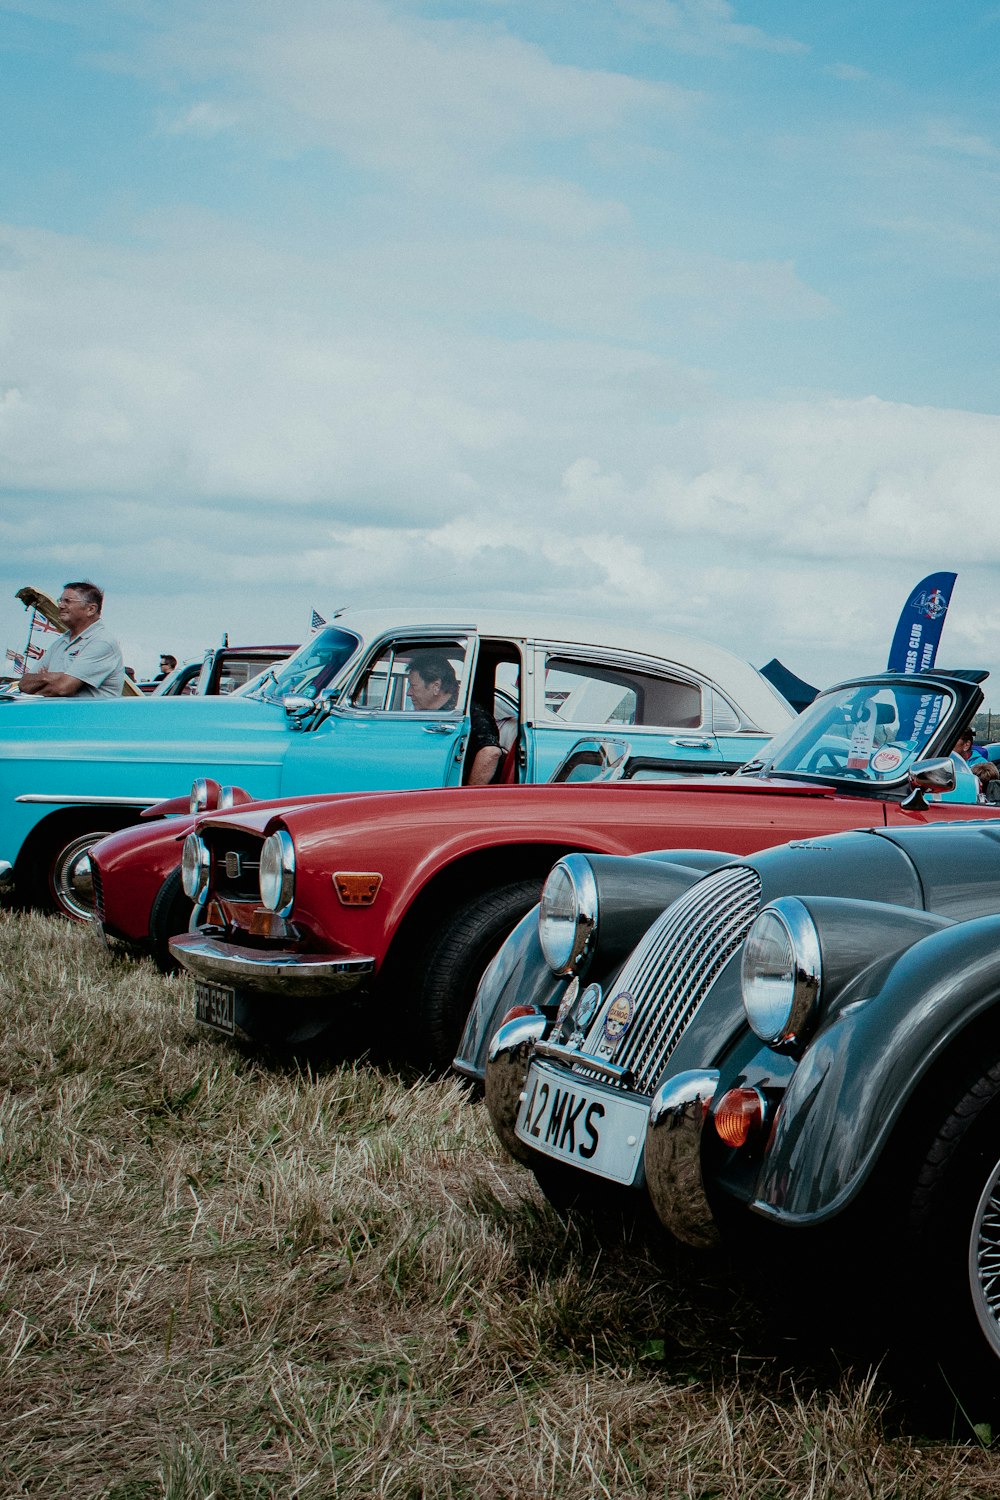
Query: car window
pixel 579 692
pixel 384 686
pixel 865 732
pixel 310 669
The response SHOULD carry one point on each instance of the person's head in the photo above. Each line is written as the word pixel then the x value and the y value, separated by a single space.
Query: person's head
pixel 80 605
pixel 432 680
pixel 167 663
pixel 963 744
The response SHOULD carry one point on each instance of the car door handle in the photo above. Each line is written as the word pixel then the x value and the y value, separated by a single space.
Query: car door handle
pixel 691 744
pixel 440 728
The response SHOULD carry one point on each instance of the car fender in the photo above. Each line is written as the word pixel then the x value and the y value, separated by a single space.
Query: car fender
pixel 631 895
pixel 855 1079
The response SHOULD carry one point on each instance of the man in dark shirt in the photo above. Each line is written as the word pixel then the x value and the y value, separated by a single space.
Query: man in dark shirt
pixel 434 689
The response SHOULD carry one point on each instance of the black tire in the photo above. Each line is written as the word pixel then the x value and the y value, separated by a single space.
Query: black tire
pixel 169 915
pixel 450 967
pixel 954 1224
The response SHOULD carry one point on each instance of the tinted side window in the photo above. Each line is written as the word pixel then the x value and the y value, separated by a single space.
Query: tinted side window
pixel 591 693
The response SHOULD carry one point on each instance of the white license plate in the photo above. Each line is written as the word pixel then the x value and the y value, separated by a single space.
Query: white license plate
pixel 215 1006
pixel 588 1127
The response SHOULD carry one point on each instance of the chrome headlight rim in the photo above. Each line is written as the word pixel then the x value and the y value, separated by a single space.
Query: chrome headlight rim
pixel 568 943
pixel 782 1017
pixel 196 866
pixel 204 795
pixel 277 872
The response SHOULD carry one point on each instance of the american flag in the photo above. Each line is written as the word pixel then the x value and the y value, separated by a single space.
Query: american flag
pixel 317 620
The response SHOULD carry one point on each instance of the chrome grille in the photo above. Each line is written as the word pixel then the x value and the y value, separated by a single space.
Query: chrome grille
pixel 675 966
pixel 98 890
pixel 235 863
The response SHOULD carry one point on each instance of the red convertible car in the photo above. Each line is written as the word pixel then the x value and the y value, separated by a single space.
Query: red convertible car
pixel 401 899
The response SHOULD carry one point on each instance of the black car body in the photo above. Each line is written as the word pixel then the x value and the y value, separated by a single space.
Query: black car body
pixel 808 1039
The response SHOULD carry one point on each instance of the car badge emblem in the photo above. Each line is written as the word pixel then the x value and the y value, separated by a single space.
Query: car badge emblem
pixel 587 1008
pixel 568 1000
pixel 618 1018
pixel 234 865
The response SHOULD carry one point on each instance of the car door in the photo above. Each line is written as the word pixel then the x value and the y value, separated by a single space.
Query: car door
pixel 374 738
pixel 665 713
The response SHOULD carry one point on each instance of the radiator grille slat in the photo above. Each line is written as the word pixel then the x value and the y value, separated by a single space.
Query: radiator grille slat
pixel 674 967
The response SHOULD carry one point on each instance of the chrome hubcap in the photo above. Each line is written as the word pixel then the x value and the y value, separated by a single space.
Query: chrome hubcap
pixel 72 879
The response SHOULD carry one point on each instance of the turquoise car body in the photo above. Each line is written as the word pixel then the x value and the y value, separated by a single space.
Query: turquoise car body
pixel 336 717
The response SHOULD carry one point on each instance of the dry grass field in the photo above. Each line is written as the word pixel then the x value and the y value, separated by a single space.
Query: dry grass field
pixel 227 1278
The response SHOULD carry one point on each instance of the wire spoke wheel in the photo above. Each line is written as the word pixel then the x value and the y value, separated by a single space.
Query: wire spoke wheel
pixel 984 1260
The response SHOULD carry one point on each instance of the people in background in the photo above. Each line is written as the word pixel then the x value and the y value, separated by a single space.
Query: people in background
pixel 86 661
pixel 168 664
pixel 433 688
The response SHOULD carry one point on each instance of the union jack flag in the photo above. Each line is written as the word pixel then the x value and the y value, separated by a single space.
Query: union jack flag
pixel 15 657
pixel 35 652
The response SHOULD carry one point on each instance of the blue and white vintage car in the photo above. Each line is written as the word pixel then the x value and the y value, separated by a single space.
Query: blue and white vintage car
pixel 337 716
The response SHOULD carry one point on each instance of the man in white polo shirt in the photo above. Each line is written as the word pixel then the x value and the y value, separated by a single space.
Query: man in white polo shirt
pixel 85 662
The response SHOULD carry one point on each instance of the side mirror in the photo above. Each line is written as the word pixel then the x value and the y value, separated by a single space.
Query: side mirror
pixel 929 776
pixel 298 710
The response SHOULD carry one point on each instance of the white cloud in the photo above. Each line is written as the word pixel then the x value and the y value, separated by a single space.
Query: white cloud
pixel 398 92
pixel 702 25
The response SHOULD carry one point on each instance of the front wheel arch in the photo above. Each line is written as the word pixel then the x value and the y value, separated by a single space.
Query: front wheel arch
pixel 46 850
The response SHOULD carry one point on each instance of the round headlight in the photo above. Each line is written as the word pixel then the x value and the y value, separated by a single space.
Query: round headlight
pixel 567 915
pixel 781 972
pixel 195 868
pixel 204 795
pixel 277 872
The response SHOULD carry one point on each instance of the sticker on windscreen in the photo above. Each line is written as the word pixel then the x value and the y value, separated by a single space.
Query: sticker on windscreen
pixel 889 758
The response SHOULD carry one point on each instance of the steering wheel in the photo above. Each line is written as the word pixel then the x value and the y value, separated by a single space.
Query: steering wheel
pixel 829 759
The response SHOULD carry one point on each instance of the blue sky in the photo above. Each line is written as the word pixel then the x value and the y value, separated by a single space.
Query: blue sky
pixel 677 311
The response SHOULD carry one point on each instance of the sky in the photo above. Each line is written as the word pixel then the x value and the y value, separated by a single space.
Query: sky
pixel 681 313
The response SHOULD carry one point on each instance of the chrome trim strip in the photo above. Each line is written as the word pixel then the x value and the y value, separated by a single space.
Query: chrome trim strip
pixel 73 799
pixel 279 971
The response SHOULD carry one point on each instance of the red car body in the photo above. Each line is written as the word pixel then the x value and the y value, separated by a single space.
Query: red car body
pixel 437 878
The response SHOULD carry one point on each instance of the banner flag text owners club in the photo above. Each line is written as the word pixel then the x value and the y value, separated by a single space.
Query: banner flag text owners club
pixel 915 643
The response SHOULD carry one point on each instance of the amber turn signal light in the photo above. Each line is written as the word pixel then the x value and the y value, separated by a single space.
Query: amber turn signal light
pixel 738 1115
pixel 356 887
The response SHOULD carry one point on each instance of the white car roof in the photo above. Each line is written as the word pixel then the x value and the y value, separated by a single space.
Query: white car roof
pixel 758 700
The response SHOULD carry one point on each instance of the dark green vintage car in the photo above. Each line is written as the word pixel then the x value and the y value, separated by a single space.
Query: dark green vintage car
pixel 800 1048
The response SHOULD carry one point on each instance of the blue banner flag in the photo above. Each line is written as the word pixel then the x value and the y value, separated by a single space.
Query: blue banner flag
pixel 915 644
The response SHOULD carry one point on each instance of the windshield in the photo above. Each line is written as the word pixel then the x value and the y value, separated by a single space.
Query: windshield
pixel 313 667
pixel 866 732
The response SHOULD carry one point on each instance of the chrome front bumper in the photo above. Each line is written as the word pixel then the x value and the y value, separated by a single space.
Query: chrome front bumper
pixel 303 976
pixel 672 1152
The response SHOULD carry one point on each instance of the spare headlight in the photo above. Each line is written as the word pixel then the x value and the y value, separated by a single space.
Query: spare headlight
pixel 781 972
pixel 195 868
pixel 567 915
pixel 277 873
